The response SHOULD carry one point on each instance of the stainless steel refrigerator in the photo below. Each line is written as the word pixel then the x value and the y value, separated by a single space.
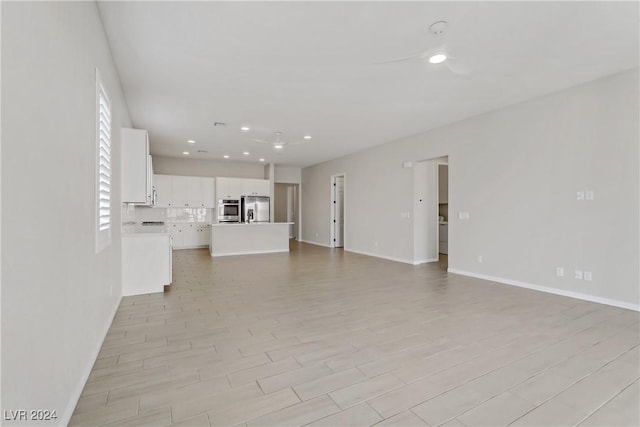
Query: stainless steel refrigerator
pixel 255 209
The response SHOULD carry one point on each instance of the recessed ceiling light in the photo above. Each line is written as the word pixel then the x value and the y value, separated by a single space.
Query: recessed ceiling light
pixel 262 160
pixel 226 156
pixel 437 58
pixel 191 141
pixel 186 153
pixel 245 128
pixel 307 137
pixel 246 153
pixel 278 146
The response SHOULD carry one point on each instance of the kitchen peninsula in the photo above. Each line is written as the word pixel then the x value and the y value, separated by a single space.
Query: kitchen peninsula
pixel 249 238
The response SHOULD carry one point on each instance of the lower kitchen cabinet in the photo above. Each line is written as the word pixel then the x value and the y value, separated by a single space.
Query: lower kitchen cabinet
pixel 146 263
pixel 189 235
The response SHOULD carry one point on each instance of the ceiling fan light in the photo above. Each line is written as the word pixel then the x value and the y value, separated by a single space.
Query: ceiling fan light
pixel 438 58
pixel 278 146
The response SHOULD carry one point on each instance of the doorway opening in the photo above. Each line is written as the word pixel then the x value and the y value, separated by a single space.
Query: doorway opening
pixel 431 213
pixel 443 213
pixel 338 191
pixel 287 205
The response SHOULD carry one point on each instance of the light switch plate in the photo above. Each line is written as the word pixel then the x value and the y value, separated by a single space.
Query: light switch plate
pixel 580 195
pixel 589 195
pixel 559 271
pixel 588 276
pixel 578 275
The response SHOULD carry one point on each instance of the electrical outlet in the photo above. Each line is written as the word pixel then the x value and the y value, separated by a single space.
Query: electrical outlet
pixel 578 275
pixel 479 259
pixel 559 271
pixel 580 195
pixel 589 195
pixel 587 276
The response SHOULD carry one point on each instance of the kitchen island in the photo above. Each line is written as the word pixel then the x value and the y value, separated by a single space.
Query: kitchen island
pixel 245 239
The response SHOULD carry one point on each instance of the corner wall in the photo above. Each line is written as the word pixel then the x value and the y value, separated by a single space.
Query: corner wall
pixel 58 295
pixel 516 171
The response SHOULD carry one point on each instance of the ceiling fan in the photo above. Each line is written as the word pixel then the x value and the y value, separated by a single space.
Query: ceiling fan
pixel 278 143
pixel 438 56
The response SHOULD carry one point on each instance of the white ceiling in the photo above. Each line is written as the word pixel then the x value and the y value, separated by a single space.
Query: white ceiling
pixel 309 67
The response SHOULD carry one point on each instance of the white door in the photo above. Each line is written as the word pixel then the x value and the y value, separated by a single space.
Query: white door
pixel 338 212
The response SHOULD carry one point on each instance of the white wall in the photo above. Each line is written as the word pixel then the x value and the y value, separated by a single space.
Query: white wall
pixel 288 175
pixel 516 171
pixel 197 167
pixel 58 295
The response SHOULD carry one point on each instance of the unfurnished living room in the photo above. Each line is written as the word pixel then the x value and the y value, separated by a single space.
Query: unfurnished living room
pixel 329 213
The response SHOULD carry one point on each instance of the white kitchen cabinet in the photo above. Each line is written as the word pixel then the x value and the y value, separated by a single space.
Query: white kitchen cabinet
pixel 203 235
pixel 255 187
pixel 234 188
pixel 185 191
pixel 189 235
pixel 177 236
pixel 137 175
pixel 208 186
pixel 178 191
pixel 164 190
pixel 146 263
pixel 229 188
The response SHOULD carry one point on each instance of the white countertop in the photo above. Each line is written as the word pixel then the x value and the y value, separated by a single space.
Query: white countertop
pixel 145 234
pixel 251 224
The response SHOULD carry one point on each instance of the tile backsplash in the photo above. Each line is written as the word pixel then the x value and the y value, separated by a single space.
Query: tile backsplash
pixel 138 214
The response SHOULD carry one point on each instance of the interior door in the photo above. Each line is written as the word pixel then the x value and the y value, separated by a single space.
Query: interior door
pixel 338 214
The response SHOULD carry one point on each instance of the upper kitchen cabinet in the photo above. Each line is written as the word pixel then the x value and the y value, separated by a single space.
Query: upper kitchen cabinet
pixel 164 190
pixel 137 169
pixel 234 188
pixel 255 187
pixel 443 184
pixel 184 191
pixel 208 192
pixel 228 188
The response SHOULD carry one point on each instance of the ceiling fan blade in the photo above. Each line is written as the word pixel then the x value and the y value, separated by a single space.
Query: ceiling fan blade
pixel 458 67
pixel 420 55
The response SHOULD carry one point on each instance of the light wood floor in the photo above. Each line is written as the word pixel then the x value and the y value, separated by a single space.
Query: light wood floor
pixel 323 337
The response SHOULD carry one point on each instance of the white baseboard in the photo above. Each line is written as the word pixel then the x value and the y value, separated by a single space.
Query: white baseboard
pixel 190 247
pixel 68 412
pixel 314 243
pixel 570 294
pixel 425 261
pixel 249 253
pixel 404 261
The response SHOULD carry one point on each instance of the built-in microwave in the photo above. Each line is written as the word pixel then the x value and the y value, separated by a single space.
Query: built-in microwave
pixel 228 210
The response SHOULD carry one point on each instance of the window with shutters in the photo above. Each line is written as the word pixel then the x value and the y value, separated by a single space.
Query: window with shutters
pixel 103 166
